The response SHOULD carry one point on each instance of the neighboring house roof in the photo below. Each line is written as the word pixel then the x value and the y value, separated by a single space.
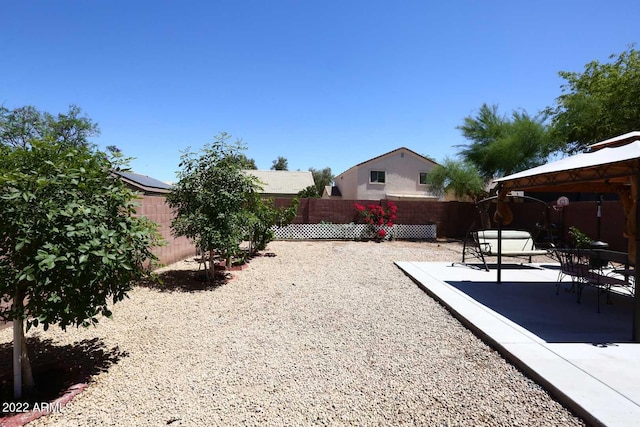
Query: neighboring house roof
pixel 391 152
pixel 332 191
pixel 282 182
pixel 144 183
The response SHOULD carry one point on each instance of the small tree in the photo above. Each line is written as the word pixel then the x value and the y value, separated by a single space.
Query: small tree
pixel 212 197
pixel 280 164
pixel 244 161
pixel 71 242
pixel 309 193
pixel 459 178
pixel 321 178
pixel 264 216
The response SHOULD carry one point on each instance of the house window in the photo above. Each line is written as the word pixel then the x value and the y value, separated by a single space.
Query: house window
pixel 422 178
pixel 377 177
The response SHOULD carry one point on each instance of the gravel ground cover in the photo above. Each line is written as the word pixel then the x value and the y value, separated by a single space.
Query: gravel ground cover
pixel 310 333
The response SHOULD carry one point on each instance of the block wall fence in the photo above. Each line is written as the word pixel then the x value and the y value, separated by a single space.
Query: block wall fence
pixel 178 248
pixel 452 219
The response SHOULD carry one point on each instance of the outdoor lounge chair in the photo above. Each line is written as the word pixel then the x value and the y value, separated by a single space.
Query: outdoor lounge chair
pixel 515 243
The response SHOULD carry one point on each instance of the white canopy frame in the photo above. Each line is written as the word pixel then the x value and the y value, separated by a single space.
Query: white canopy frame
pixel 611 166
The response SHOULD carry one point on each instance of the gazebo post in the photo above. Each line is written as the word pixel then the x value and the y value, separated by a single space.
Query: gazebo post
pixel 499 251
pixel 636 298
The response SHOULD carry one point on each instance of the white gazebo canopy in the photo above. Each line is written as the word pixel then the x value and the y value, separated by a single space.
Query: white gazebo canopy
pixel 610 166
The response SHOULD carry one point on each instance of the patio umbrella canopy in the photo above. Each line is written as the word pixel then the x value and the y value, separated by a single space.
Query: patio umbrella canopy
pixel 610 166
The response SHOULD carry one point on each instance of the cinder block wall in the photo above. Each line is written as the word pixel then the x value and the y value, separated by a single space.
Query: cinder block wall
pixel 453 219
pixel 156 209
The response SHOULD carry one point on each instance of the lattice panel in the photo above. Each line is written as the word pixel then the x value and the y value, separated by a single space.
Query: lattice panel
pixel 352 231
pixel 419 231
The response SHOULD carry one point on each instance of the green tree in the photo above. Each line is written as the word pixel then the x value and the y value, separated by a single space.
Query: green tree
pixel 321 178
pixel 311 192
pixel 71 242
pixel 501 145
pixel 264 216
pixel 458 178
pixel 280 164
pixel 601 102
pixel 244 161
pixel 21 126
pixel 211 198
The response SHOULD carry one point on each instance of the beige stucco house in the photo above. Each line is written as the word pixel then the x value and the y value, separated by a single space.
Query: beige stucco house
pixel 276 183
pixel 397 175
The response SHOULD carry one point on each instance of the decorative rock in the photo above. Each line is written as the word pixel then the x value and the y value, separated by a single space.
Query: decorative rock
pixel 355 342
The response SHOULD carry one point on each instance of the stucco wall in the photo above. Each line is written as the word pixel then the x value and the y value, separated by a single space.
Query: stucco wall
pixel 401 167
pixel 347 182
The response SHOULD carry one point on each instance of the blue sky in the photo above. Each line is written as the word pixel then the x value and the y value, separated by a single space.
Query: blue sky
pixel 320 82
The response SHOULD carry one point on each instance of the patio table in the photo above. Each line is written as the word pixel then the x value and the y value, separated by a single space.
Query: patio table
pixel 601 268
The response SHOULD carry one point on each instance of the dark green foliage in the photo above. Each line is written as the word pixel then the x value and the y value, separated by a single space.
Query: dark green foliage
pixel 244 162
pixel 264 216
pixel 309 193
pixel 502 146
pixel 21 126
pixel 458 178
pixel 71 244
pixel 321 178
pixel 601 102
pixel 578 238
pixel 212 196
pixel 280 164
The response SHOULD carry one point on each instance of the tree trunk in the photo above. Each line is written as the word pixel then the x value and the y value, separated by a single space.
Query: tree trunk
pixel 23 383
pixel 212 265
pixel 17 358
pixel 28 383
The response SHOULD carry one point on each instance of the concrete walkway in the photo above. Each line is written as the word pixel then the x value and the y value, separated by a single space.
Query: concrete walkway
pixel 582 357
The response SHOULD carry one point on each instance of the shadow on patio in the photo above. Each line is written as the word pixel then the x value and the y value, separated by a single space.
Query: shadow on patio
pixel 584 358
pixel 556 318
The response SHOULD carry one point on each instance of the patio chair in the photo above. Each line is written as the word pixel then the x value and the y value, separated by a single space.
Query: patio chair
pixel 573 265
pixel 585 269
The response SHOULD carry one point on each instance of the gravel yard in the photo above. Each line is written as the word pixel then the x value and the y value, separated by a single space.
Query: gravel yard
pixel 310 333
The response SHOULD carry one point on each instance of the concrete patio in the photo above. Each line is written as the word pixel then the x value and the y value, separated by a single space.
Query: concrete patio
pixel 584 358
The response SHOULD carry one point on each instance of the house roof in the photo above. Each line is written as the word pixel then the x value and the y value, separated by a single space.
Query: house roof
pixel 144 183
pixel 389 153
pixel 282 182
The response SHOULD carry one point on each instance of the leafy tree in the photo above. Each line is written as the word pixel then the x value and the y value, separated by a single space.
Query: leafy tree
pixel 601 102
pixel 310 192
pixel 211 198
pixel 321 178
pixel 264 216
pixel 501 145
pixel 280 164
pixel 244 162
pixel 21 126
pixel 71 242
pixel 458 178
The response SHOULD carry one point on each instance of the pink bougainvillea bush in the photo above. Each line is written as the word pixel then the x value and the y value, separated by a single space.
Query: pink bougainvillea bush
pixel 379 219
